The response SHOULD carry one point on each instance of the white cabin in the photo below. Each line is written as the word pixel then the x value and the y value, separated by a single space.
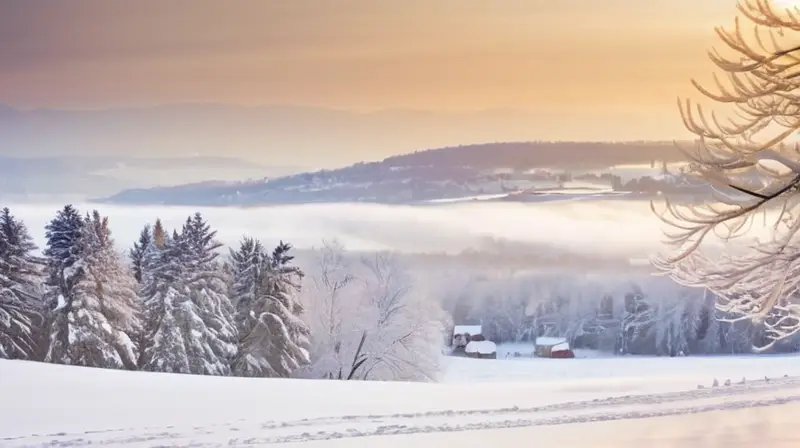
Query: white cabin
pixel 481 348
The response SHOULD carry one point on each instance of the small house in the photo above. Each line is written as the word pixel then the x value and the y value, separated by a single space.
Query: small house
pixel 550 347
pixel 479 347
pixel 462 335
pixel 468 341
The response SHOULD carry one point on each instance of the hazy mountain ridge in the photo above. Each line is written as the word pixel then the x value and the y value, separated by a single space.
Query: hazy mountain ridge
pixel 282 134
pixel 444 173
pixel 104 175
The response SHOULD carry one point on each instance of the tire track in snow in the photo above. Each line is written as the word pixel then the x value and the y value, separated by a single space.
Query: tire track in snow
pixel 396 430
pixel 623 400
pixel 602 409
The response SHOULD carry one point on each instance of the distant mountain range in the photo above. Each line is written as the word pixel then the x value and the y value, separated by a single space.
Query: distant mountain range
pixel 277 135
pixel 31 178
pixel 506 171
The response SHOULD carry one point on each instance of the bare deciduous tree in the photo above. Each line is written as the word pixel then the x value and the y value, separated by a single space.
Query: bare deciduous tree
pixel 752 171
pixel 367 321
pixel 329 315
pixel 405 340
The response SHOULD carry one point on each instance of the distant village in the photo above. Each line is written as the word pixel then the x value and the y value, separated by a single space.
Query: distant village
pixel 659 179
pixel 469 341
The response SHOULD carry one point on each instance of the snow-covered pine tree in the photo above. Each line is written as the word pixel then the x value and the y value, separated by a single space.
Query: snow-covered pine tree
pixel 273 340
pixel 94 314
pixel 165 303
pixel 20 287
pixel 246 265
pixel 64 267
pixel 294 333
pixel 249 265
pixel 189 314
pixel 137 253
pixel 112 284
pixel 208 290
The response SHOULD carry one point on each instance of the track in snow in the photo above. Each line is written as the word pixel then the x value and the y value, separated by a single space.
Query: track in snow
pixel 250 433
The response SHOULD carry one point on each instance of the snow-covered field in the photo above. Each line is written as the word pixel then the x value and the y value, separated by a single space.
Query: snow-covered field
pixel 549 191
pixel 595 401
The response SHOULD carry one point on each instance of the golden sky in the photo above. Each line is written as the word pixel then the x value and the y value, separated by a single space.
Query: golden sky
pixel 440 55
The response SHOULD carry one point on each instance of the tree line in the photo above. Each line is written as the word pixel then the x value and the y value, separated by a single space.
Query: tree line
pixel 171 303
pixel 625 313
pixel 174 307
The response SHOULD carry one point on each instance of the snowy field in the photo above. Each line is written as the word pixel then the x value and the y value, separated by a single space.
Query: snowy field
pixel 593 401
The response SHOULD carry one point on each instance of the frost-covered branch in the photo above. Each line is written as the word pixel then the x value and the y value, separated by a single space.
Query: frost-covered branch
pixel 743 156
pixel 371 298
pixel 752 170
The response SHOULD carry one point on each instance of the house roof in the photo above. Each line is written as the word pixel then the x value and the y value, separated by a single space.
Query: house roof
pixel 481 347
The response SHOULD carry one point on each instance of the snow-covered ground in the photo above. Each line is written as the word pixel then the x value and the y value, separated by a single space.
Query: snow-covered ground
pixel 479 197
pixel 591 401
pixel 544 192
pixel 774 427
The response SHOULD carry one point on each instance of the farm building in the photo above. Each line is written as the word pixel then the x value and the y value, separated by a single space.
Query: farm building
pixel 549 347
pixel 462 334
pixel 481 349
pixel 468 341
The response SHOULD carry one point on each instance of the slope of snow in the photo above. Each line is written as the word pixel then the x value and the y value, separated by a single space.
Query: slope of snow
pixel 773 427
pixel 73 406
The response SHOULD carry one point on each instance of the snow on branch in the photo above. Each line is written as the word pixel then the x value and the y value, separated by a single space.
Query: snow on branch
pixel 751 168
pixel 368 321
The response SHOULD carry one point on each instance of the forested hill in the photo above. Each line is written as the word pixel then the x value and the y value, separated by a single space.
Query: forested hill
pixel 423 175
pixel 526 155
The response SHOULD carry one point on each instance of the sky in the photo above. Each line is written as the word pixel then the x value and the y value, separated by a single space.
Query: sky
pixel 451 55
pixel 592 60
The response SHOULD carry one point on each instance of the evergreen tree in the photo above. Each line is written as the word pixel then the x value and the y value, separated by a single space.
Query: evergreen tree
pixel 159 235
pixel 63 235
pixel 137 253
pixel 166 309
pixel 112 285
pixel 20 281
pixel 273 340
pixel 209 293
pixel 189 314
pixel 200 243
pixel 246 266
pixel 92 298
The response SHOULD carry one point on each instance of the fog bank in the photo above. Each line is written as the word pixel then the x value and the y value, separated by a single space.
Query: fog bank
pixel 624 228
